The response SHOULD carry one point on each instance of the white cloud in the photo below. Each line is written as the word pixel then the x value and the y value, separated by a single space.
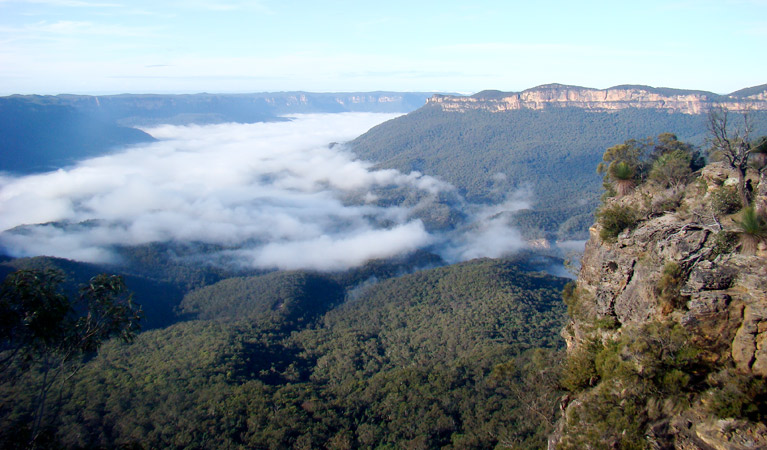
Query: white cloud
pixel 489 232
pixel 226 5
pixel 274 195
pixel 339 252
pixel 69 3
pixel 77 28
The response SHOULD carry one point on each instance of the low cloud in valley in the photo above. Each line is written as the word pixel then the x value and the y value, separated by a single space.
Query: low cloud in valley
pixel 268 195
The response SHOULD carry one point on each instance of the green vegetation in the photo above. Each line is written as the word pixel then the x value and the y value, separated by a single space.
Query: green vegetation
pixel 464 356
pixel 734 395
pixel 486 155
pixel 671 169
pixel 630 387
pixel 284 297
pixel 666 161
pixel 614 218
pixel 644 376
pixel 752 229
pixel 630 382
pixel 669 286
pixel 725 200
pixel 623 166
pixel 622 175
pixel 724 242
pixel 158 299
pixel 43 334
pixel 580 371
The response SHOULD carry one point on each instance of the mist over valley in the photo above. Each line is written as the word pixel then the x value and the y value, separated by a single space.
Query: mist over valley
pixel 268 195
pixel 317 280
pixel 260 224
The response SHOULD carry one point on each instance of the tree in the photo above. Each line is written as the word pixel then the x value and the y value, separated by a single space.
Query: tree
pixel 42 328
pixel 623 164
pixel 666 160
pixel 671 169
pixel 732 144
pixel 668 143
pixel 758 157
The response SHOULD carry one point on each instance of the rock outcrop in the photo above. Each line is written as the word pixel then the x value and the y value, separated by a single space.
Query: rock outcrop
pixel 612 99
pixel 681 266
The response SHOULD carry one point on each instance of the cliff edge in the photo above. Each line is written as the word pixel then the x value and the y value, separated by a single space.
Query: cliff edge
pixel 611 99
pixel 667 343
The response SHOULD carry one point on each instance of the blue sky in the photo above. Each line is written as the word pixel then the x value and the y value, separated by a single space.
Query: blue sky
pixel 183 46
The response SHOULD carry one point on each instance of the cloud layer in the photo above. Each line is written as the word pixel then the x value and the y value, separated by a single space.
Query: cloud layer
pixel 273 195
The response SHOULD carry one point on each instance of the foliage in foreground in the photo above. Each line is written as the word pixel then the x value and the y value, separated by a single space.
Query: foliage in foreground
pixel 44 334
pixel 646 375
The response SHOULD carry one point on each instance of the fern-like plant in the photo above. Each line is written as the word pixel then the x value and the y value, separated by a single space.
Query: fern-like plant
pixel 752 229
pixel 622 174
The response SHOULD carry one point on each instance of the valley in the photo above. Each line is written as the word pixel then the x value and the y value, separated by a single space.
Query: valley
pixel 373 270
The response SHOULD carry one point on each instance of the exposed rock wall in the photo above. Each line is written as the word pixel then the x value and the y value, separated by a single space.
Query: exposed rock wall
pixel 720 297
pixel 616 98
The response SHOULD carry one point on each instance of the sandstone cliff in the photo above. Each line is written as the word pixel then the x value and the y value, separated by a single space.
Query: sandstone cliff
pixel 669 326
pixel 615 98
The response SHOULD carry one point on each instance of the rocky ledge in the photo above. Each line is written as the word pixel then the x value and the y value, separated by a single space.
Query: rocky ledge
pixel 679 268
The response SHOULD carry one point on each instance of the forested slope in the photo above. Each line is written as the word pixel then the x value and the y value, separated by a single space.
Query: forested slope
pixel 552 152
pixel 441 358
pixel 158 298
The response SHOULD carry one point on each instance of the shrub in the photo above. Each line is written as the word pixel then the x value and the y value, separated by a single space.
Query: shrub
pixel 580 371
pixel 753 229
pixel 664 202
pixel 737 396
pixel 725 200
pixel 614 219
pixel 723 243
pixel 572 300
pixel 664 356
pixel 671 169
pixel 668 287
pixel 607 323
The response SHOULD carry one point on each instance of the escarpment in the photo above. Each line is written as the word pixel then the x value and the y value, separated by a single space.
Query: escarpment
pixel 611 99
pixel 667 346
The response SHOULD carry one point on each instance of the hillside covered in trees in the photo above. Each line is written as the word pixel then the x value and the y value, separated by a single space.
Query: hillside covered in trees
pixel 664 328
pixel 459 356
pixel 551 153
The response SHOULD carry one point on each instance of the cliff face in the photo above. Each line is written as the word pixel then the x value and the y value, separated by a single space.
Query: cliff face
pixel 680 270
pixel 612 99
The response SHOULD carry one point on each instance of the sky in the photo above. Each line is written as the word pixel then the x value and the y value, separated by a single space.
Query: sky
pixel 188 46
pixel 270 195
